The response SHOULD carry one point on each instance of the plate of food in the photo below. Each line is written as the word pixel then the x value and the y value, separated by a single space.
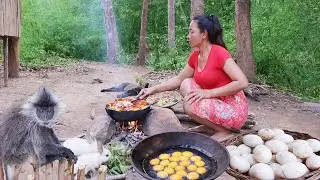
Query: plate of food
pixel 167 101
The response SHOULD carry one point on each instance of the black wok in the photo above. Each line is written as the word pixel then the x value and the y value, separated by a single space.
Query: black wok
pixel 213 153
pixel 126 116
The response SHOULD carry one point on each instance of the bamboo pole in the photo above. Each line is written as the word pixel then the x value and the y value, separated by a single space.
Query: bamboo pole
pixel 36 171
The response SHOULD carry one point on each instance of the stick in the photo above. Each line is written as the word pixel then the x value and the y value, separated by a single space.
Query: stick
pixel 102 172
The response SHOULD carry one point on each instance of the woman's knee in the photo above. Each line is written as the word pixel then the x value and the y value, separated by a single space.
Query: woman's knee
pixel 185 86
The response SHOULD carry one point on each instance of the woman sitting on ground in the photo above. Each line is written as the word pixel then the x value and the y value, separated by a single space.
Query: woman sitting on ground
pixel 211 83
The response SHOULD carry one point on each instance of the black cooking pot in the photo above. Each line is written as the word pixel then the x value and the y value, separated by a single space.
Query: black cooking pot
pixel 126 116
pixel 212 152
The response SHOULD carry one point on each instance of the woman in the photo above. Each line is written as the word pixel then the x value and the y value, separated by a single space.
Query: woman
pixel 211 83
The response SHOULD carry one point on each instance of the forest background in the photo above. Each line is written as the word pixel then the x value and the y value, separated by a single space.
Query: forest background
pixel 285 36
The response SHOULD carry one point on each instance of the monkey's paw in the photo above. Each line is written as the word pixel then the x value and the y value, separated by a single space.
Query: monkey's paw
pixel 69 155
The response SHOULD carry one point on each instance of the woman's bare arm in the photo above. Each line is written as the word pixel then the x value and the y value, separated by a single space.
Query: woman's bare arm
pixel 176 81
pixel 239 80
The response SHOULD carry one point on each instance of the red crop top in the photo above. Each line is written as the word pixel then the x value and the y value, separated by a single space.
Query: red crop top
pixel 213 75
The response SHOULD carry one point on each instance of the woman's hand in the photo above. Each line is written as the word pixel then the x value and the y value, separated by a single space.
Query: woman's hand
pixel 197 95
pixel 146 92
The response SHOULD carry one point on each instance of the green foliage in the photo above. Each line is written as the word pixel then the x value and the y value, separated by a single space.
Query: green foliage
pixel 286 44
pixel 119 162
pixel 61 28
pixel 285 36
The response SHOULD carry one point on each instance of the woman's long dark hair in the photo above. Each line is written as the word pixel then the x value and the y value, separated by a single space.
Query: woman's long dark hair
pixel 212 25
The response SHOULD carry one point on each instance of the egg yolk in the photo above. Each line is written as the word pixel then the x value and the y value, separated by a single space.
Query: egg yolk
pixel 162 174
pixel 195 158
pixel 193 175
pixel 173 164
pixel 164 162
pixel 176 177
pixel 192 167
pixel 169 170
pixel 154 161
pixel 164 156
pixel 201 170
pixel 199 163
pixel 182 173
pixel 187 153
pixel 183 158
pixel 177 153
pixel 174 159
pixel 158 168
pixel 179 168
pixel 185 163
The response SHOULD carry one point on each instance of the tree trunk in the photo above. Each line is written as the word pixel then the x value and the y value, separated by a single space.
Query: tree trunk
pixel 197 8
pixel 244 52
pixel 111 32
pixel 171 24
pixel 143 34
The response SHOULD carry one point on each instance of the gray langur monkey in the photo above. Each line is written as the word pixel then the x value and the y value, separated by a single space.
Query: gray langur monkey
pixel 26 133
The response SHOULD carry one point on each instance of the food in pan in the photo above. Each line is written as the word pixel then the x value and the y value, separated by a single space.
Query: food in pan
pixel 192 167
pixel 177 153
pixel 158 168
pixel 164 162
pixel 173 164
pixel 175 177
pixel 174 158
pixel 167 101
pixel 185 163
pixel 195 158
pixel 182 173
pixel 199 163
pixel 201 170
pixel 164 156
pixel 187 153
pixel 183 158
pixel 126 104
pixel 193 175
pixel 179 168
pixel 162 174
pixel 154 161
pixel 169 170
pixel 177 165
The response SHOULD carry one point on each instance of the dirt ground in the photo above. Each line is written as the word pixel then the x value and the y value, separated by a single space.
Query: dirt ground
pixel 76 88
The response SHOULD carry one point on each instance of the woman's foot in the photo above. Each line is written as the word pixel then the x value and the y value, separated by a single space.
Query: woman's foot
pixel 222 136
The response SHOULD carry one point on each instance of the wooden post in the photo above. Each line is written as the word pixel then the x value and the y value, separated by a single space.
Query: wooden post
pixel 5 60
pixel 81 174
pixel 14 56
pixel 61 169
pixel 36 171
pixel 102 172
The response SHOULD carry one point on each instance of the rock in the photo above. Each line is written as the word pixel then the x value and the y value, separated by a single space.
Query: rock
pixel 161 120
pixel 103 128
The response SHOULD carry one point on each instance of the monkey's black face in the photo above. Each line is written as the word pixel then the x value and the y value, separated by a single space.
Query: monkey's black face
pixel 45 113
